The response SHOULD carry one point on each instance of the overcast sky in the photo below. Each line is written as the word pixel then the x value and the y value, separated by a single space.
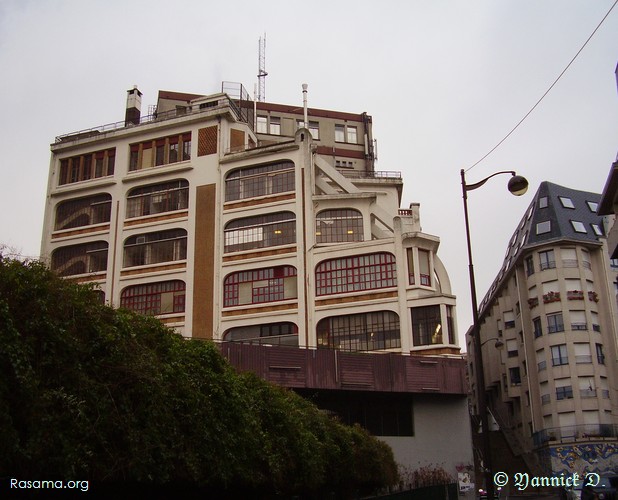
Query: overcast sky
pixel 444 80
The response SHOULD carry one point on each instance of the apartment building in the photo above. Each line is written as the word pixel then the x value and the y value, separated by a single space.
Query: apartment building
pixel 551 379
pixel 266 228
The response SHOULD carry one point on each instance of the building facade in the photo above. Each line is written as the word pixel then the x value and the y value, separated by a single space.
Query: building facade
pixel 247 224
pixel 552 381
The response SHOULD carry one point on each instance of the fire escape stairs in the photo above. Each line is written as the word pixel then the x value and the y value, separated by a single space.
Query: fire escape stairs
pixel 516 442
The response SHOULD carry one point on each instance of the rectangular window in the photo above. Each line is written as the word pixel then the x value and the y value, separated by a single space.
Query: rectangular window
pixel 410 254
pixel 80 168
pixel 569 257
pixel 426 325
pixel 352 137
pixel 161 151
pixel 275 126
pixel 547 260
pixel 339 133
pixel 262 125
pixel 511 348
pixel 565 392
pixel 529 265
pixel 509 320
pixel 538 329
pixel 559 355
pixel 515 376
pixel 600 355
pixel 582 353
pixel 314 128
pixel 555 323
pixel 424 267
pixel 578 320
pixel 450 323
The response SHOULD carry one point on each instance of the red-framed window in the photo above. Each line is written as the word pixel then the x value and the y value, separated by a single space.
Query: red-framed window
pixel 356 273
pixel 87 166
pixel 161 151
pixel 422 268
pixel 258 286
pixel 164 297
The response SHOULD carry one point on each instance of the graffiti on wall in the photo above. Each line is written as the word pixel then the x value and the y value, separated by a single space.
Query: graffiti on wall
pixel 593 457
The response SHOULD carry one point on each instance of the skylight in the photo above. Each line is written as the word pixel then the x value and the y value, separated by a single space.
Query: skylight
pixel 543 227
pixel 578 226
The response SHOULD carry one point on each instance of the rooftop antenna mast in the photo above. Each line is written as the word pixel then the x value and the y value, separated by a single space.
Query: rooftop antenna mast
pixel 261 96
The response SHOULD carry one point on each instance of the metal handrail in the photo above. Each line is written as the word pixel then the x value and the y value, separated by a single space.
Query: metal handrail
pixel 221 103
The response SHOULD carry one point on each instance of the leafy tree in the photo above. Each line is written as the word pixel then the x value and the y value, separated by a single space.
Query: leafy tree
pixel 89 392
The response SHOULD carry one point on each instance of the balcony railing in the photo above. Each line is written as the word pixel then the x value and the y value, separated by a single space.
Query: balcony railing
pixel 377 174
pixel 575 432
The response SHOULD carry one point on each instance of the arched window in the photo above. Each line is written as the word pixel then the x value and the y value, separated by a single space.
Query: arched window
pixel 260 285
pixel 153 248
pixel 285 333
pixel 360 332
pixel 260 231
pixel 80 259
pixel 158 198
pixel 164 297
pixel 338 226
pixel 82 212
pixel 356 273
pixel 260 180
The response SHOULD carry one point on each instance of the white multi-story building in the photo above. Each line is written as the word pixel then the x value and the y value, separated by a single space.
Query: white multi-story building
pixel 249 224
pixel 552 385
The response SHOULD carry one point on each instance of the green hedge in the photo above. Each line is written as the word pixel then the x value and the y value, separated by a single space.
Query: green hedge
pixel 89 392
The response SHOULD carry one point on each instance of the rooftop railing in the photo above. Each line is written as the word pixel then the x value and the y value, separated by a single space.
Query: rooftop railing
pixel 216 103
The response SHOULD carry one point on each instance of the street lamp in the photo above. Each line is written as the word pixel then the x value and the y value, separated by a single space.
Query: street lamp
pixel 517 185
pixel 498 343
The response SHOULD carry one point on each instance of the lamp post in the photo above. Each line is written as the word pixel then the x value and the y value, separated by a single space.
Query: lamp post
pixel 498 343
pixel 517 185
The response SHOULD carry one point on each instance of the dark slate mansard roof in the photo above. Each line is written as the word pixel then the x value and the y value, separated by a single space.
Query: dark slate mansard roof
pixel 559 216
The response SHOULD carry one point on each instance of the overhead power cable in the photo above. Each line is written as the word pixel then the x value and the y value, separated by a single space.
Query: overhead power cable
pixel 547 91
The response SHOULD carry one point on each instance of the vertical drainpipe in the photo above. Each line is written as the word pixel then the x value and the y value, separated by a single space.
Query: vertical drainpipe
pixel 304 201
pixel 113 274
